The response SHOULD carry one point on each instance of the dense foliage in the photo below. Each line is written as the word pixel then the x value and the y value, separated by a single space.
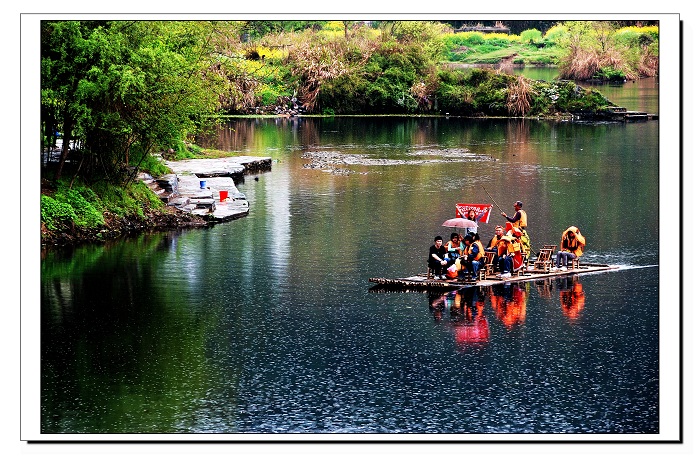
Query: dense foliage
pixel 400 67
pixel 124 89
pixel 83 208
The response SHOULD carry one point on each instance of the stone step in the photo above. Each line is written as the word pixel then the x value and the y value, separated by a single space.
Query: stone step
pixel 184 192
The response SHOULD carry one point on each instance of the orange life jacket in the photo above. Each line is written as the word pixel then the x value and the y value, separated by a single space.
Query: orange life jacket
pixel 576 245
pixel 493 242
pixel 480 254
pixel 522 222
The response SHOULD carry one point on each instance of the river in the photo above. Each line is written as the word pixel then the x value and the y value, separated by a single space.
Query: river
pixel 268 324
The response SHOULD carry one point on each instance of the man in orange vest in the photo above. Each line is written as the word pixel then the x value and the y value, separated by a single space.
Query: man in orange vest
pixel 519 221
pixel 475 256
pixel 572 244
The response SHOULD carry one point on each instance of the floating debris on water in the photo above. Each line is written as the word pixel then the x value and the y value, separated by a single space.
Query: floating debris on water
pixel 328 161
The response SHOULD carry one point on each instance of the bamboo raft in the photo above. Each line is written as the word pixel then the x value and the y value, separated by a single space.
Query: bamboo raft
pixel 421 282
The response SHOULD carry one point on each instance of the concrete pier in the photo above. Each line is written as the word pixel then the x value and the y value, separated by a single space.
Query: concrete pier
pixel 184 189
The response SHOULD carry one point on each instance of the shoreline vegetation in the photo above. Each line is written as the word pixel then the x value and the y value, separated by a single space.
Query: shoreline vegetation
pixel 133 92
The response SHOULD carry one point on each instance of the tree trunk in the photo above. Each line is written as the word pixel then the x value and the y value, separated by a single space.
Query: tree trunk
pixel 67 135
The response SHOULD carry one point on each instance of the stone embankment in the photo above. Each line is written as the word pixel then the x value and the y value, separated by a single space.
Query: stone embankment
pixel 206 187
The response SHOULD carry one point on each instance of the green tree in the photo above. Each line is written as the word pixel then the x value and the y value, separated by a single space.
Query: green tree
pixel 429 34
pixel 123 88
pixel 531 36
pixel 67 55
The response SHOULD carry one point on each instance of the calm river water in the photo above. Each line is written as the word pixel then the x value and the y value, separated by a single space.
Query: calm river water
pixel 268 324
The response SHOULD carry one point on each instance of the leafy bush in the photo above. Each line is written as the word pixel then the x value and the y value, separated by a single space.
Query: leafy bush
pixel 555 34
pixel 144 195
pixel 477 76
pixel 270 54
pixel 118 200
pixel 427 33
pixel 454 99
pixel 498 41
pixel 472 38
pixel 530 36
pixel 346 94
pixel 268 95
pixel 334 26
pixel 573 98
pixel 544 98
pixel 87 214
pixel 609 74
pixel 56 214
pixel 154 166
pixel 635 36
pixel 187 151
pixel 627 37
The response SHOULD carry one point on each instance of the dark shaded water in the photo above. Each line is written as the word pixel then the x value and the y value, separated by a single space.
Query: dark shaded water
pixel 267 324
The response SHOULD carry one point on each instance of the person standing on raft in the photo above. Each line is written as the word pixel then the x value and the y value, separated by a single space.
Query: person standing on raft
pixel 519 220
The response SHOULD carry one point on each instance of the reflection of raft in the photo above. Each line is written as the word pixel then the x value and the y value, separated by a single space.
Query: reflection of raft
pixel 420 282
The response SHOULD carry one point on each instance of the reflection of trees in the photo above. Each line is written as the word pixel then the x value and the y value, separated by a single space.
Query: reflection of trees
pixel 120 351
pixel 509 302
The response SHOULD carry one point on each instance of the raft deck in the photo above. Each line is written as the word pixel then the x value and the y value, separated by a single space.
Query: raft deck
pixel 421 281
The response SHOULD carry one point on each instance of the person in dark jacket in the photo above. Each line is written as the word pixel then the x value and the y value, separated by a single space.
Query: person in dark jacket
pixel 437 261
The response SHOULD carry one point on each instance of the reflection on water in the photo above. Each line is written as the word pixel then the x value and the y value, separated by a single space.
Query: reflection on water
pixel 467 311
pixel 509 302
pixel 265 324
pixel 572 298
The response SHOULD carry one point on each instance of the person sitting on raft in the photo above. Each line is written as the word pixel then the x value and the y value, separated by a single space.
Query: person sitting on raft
pixel 572 244
pixel 506 252
pixel 475 256
pixel 493 244
pixel 455 248
pixel 437 262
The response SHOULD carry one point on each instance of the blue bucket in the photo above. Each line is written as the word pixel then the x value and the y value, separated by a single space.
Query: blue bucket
pixel 202 184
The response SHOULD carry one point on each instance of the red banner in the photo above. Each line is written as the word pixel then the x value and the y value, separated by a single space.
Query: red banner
pixel 483 212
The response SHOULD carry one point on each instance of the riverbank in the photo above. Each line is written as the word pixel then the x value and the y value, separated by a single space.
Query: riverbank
pixel 115 226
pixel 197 194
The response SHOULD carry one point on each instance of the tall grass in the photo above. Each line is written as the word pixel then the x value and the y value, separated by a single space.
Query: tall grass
pixel 519 97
